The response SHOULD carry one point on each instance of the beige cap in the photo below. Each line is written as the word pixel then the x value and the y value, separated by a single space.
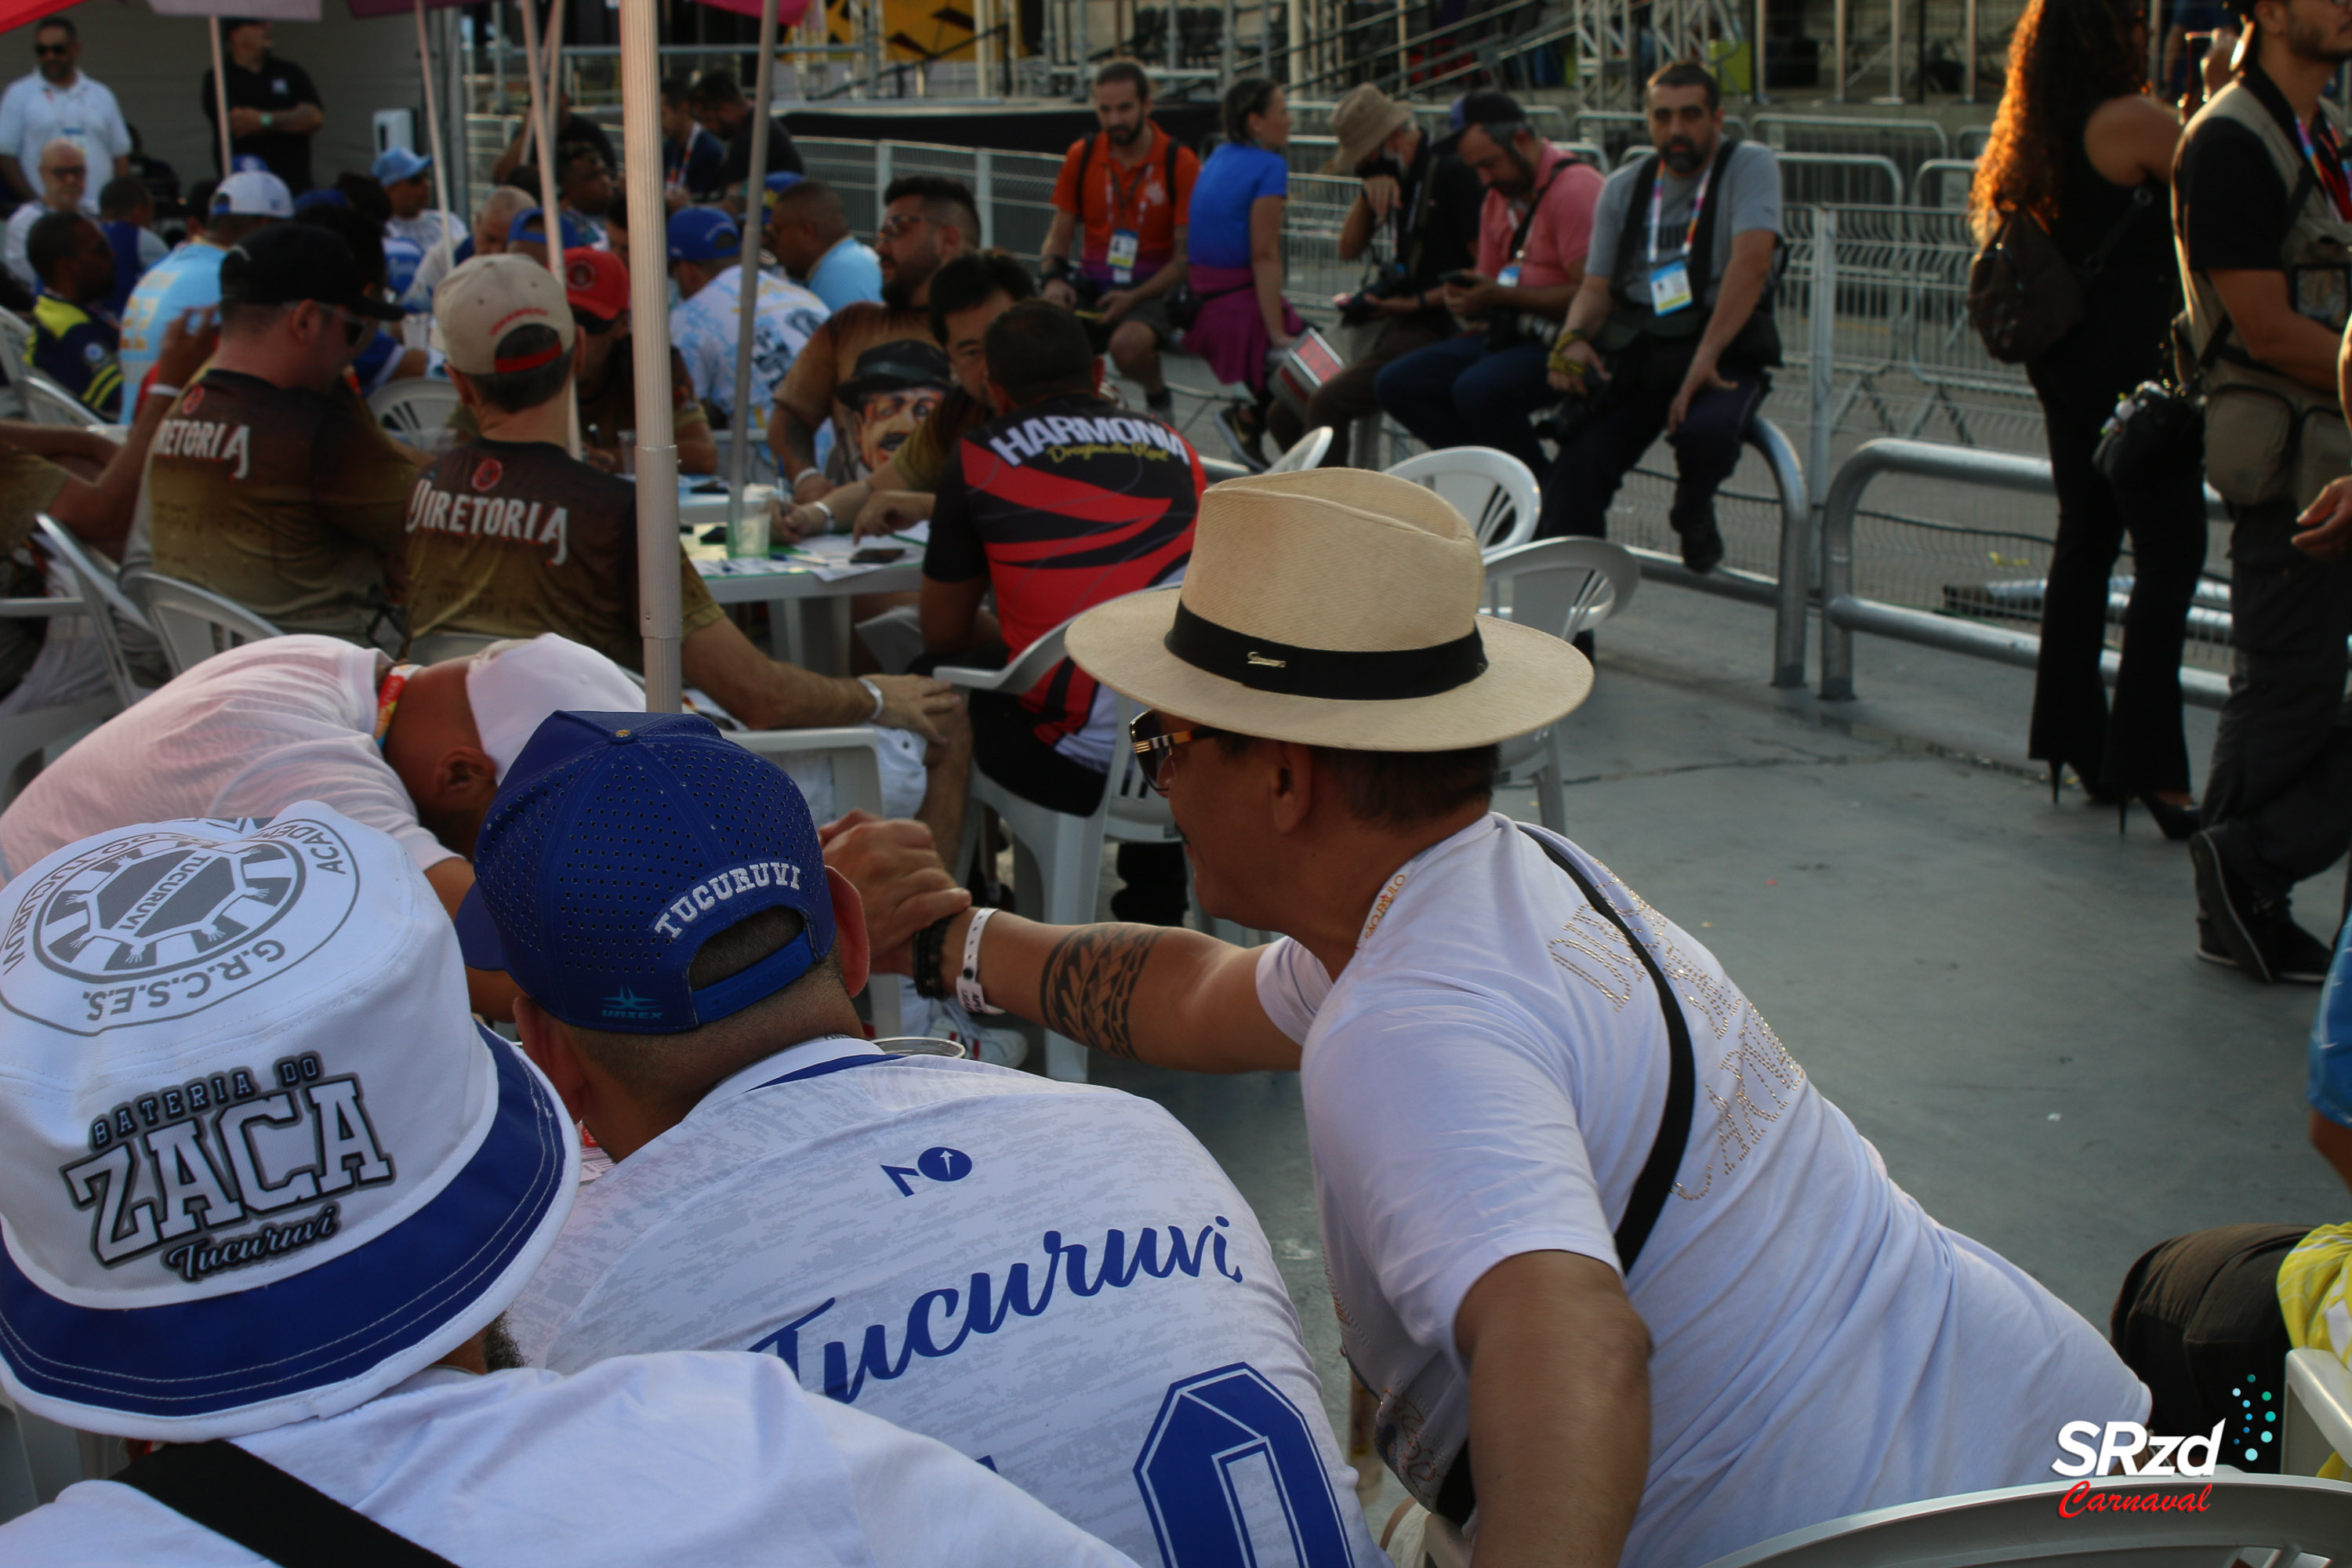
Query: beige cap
pixel 1364 118
pixel 1335 608
pixel 483 301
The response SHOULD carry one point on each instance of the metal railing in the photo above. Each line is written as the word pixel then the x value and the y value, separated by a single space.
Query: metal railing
pixel 1908 141
pixel 1839 179
pixel 1932 182
pixel 1844 613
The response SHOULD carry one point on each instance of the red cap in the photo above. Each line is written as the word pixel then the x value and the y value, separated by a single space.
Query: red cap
pixel 595 283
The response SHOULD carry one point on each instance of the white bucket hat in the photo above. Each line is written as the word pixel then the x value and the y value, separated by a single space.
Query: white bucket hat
pixel 1334 608
pixel 257 1162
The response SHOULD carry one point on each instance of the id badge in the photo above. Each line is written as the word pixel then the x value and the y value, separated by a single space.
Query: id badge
pixel 1126 245
pixel 1670 288
pixel 1510 277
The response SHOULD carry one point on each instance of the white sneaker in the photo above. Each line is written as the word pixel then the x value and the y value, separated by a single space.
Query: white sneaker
pixel 998 1046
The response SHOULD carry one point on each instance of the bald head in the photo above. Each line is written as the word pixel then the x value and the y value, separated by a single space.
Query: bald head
pixel 498 215
pixel 435 747
pixel 64 173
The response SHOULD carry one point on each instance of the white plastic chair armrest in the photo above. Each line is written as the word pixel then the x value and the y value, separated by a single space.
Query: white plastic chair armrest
pixel 2318 1411
pixel 971 679
pixel 34 609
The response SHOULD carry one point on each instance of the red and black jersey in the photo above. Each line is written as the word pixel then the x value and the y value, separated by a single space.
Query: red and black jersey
pixel 1064 504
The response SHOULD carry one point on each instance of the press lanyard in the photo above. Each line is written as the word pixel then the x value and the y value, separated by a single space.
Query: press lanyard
pixel 387 697
pixel 1658 205
pixel 2330 169
pixel 1123 193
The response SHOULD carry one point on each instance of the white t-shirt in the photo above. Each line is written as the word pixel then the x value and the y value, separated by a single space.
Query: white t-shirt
pixel 703 330
pixel 1053 1279
pixel 652 1460
pixel 1485 1077
pixel 35 112
pixel 245 733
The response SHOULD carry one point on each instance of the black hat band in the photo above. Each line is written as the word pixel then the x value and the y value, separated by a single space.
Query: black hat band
pixel 1335 675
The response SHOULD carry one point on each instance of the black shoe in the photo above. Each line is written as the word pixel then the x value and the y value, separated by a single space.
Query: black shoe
pixel 1703 545
pixel 2175 821
pixel 1161 405
pixel 1241 436
pixel 2209 947
pixel 2260 935
pixel 2298 957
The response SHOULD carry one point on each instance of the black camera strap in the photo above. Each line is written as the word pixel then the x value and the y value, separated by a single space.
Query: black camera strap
pixel 1456 1495
pixel 271 1514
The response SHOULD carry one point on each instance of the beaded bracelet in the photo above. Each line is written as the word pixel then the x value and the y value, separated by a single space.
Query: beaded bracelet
pixel 930 943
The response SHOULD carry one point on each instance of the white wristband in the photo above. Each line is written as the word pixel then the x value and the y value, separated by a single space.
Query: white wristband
pixel 875 717
pixel 160 390
pixel 805 473
pixel 968 991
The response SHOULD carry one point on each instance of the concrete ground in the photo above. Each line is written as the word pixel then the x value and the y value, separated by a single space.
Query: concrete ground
pixel 1999 991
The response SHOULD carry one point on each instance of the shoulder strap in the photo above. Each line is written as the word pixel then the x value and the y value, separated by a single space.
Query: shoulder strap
pixel 1645 176
pixel 1657 1177
pixel 1169 174
pixel 1535 206
pixel 1457 1495
pixel 1085 161
pixel 2142 197
pixel 268 1512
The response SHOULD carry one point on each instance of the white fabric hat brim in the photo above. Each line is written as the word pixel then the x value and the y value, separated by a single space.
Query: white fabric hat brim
pixel 325 1340
pixel 1531 679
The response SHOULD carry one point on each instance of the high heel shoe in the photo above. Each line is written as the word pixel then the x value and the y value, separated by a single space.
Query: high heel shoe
pixel 2175 821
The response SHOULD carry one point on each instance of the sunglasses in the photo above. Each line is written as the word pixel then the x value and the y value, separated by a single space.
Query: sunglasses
pixel 71 172
pixel 1155 742
pixel 59 50
pixel 595 326
pixel 897 224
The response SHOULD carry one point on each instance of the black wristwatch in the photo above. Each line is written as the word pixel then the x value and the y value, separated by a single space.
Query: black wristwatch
pixel 930 944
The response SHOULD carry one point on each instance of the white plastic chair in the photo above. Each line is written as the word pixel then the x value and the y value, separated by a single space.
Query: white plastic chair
pixel 2261 1517
pixel 34 731
pixel 2319 1414
pixel 1058 859
pixel 191 623
pixel 16 354
pixel 1494 490
pixel 47 402
pixel 98 583
pixel 1563 587
pixel 414 405
pixel 856 753
pixel 1304 452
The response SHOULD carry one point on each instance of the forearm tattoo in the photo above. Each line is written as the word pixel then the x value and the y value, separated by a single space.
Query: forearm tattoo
pixel 1089 980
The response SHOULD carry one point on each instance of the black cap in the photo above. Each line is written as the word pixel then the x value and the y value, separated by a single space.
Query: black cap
pixel 284 263
pixel 894 367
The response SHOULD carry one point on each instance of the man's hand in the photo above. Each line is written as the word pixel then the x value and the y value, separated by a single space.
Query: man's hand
pixel 2327 524
pixel 910 701
pixel 1578 352
pixel 812 487
pixel 794 523
pixel 886 512
pixel 1381 194
pixel 244 121
pixel 188 342
pixel 1116 305
pixel 1474 299
pixel 1399 305
pixel 1703 377
pixel 1059 291
pixel 2221 59
pixel 896 870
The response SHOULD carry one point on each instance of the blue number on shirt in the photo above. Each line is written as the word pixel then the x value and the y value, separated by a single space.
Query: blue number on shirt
pixel 1232 1479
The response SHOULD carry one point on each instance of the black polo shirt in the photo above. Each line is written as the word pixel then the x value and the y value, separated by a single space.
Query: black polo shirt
pixel 277 86
pixel 783 158
pixel 2229 206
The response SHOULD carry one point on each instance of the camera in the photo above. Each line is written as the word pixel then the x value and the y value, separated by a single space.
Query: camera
pixel 1357 310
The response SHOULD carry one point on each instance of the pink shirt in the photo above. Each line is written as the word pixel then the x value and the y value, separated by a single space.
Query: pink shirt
pixel 1563 226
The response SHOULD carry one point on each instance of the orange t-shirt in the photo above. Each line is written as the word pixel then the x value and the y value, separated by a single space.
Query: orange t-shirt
pixel 1134 199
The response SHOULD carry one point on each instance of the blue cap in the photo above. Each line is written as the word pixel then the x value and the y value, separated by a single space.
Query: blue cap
pixel 619 843
pixel 703 234
pixel 575 233
pixel 320 196
pixel 395 164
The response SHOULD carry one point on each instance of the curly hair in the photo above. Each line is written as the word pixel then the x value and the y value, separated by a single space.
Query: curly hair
pixel 2066 58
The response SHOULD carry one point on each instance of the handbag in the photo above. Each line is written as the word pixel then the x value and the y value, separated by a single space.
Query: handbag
pixel 2023 294
pixel 2156 430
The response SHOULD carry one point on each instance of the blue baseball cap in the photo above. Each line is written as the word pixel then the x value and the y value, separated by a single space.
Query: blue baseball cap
pixel 575 233
pixel 395 164
pixel 617 845
pixel 320 196
pixel 703 234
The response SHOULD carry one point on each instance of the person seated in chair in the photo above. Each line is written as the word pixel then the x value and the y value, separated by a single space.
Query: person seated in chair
pixel 1058 503
pixel 74 336
pixel 1672 328
pixel 509 535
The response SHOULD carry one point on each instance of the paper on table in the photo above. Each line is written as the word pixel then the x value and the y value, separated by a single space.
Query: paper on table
pixel 825 556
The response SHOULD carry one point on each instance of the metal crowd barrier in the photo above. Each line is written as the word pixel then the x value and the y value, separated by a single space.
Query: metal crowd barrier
pixel 1842 614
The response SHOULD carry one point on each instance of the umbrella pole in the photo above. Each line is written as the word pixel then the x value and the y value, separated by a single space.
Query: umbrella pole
pixel 220 99
pixel 433 131
pixel 747 274
pixel 542 120
pixel 658 545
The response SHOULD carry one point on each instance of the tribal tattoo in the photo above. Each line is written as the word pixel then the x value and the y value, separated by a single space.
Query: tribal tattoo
pixel 1089 981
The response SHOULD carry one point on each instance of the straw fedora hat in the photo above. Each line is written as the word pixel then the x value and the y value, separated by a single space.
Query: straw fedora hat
pixel 1334 608
pixel 1363 120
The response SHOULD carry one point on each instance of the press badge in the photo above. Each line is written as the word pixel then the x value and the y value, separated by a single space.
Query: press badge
pixel 1510 277
pixel 1670 288
pixel 1126 245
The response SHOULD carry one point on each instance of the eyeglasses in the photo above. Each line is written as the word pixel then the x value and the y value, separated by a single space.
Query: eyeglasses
pixel 70 172
pixel 897 224
pixel 356 328
pixel 1156 743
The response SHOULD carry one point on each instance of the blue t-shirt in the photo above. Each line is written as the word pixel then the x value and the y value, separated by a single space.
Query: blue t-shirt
pixel 2330 1085
pixel 187 280
pixel 1233 177
pixel 847 273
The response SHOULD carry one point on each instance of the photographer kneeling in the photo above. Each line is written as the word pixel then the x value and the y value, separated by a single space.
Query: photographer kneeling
pixel 1672 327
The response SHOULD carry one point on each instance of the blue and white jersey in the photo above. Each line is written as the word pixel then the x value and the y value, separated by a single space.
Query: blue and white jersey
pixel 1057 1280
pixel 187 280
pixel 703 331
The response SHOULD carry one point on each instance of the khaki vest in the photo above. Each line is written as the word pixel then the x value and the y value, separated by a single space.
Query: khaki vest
pixel 2270 438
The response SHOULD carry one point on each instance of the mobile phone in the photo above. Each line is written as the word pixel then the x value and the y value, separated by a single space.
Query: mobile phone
pixel 1463 280
pixel 876 555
